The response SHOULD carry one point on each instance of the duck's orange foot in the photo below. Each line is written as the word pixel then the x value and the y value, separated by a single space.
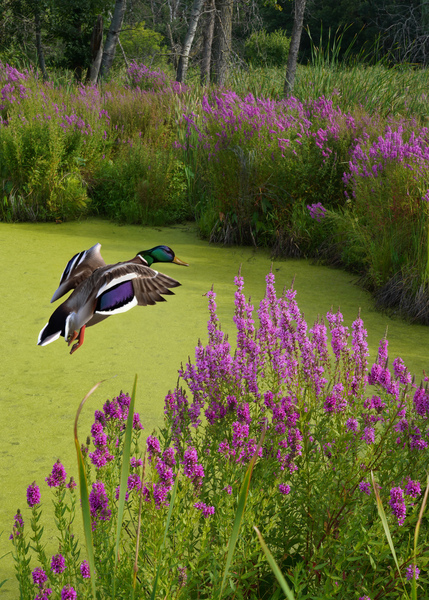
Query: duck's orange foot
pixel 79 339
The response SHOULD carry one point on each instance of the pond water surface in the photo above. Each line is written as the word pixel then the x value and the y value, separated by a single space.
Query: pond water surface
pixel 41 387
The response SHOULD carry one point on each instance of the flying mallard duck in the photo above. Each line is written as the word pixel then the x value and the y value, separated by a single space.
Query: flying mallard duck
pixel 102 290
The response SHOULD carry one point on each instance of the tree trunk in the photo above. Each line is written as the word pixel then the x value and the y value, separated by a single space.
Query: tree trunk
pixel 222 40
pixel 112 37
pixel 294 46
pixel 96 50
pixel 184 56
pixel 175 48
pixel 40 54
pixel 208 30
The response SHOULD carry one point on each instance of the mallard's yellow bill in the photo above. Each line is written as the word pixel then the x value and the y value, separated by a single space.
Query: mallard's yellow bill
pixel 180 262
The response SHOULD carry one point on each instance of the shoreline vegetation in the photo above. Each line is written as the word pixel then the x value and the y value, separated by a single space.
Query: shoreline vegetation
pixel 338 173
pixel 293 432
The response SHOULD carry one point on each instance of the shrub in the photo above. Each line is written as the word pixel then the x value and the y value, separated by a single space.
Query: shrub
pixel 142 44
pixel 267 49
pixel 324 423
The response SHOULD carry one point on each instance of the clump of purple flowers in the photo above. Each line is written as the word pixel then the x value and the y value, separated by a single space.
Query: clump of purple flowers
pixel 99 503
pixel 294 404
pixel 206 510
pixel 317 211
pixel 58 564
pixel 412 572
pixel 397 504
pixel 58 476
pixel 33 495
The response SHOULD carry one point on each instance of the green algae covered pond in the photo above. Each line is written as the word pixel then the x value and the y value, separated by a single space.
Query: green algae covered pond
pixel 41 387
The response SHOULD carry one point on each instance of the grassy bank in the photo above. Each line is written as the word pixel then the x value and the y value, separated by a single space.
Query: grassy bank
pixel 320 175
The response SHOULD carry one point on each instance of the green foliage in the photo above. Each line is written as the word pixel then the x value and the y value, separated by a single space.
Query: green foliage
pixel 142 185
pixel 324 422
pixel 267 49
pixel 143 45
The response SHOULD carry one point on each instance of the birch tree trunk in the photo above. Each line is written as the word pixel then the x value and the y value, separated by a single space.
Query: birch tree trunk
pixel 112 37
pixel 187 44
pixel 208 31
pixel 96 50
pixel 294 46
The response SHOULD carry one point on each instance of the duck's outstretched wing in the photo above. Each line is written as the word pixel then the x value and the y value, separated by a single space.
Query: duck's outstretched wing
pixel 79 268
pixel 125 285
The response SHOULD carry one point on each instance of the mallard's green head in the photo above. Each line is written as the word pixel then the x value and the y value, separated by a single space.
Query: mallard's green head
pixel 161 254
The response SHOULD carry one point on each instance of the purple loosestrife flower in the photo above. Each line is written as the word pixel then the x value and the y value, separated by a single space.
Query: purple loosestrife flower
pixel 168 457
pixel 58 564
pixel 134 482
pixel 84 569
pixel 39 577
pixel 352 425
pixel 98 503
pixel 413 489
pixel 421 402
pixel 153 446
pixel 206 510
pixel 43 594
pixel 401 371
pixel 18 525
pixel 412 572
pixel 368 435
pixel 317 211
pixel 135 462
pixel 160 493
pixel 397 504
pixel 365 487
pixel 284 489
pixel 136 422
pixel 101 457
pixel 182 576
pixel 68 593
pixel 33 495
pixel 58 476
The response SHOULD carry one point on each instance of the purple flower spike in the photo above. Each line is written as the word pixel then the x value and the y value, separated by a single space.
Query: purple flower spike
pixel 365 487
pixel 397 504
pixel 182 576
pixel 412 572
pixel 413 489
pixel 39 577
pixel 284 489
pixel 84 569
pixel 33 495
pixel 206 510
pixel 352 425
pixel 68 593
pixel 58 564
pixel 98 502
pixel 58 476
pixel 317 211
pixel 18 525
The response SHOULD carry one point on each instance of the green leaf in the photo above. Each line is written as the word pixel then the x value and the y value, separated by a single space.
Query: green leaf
pixel 83 487
pixel 170 511
pixel 274 567
pixel 125 469
pixel 383 518
pixel 416 536
pixel 242 499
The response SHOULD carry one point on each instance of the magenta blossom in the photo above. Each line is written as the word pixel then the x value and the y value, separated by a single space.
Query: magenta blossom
pixel 33 495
